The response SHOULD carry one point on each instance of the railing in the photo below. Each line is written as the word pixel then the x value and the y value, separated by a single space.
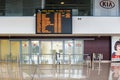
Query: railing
pixel 53 59
pixel 20 71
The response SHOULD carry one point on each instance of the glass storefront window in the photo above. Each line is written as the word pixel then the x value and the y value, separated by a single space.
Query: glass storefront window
pixel 42 52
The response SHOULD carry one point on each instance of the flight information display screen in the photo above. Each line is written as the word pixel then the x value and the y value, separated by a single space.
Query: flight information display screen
pixel 53 21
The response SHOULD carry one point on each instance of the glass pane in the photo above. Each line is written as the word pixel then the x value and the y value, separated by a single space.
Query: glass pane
pixel 25 52
pixel 77 56
pixel 68 47
pixel 58 49
pixel 15 50
pixel 34 59
pixel 58 46
pixel 45 47
pixel 68 51
pixel 66 59
pixel 46 59
pixel 35 47
pixel 35 51
pixel 25 47
pixel 46 56
pixel 5 49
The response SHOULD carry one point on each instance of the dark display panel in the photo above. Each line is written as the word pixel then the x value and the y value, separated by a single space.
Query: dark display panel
pixel 57 21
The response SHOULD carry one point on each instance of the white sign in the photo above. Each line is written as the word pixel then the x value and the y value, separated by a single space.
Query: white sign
pixel 105 7
pixel 107 4
pixel 96 25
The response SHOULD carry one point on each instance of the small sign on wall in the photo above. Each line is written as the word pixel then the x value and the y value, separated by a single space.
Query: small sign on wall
pixel 53 21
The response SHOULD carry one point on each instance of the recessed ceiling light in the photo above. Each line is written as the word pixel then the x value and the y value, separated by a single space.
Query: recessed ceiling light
pixel 61 2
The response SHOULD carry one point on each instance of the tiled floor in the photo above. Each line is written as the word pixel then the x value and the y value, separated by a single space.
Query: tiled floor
pixel 103 71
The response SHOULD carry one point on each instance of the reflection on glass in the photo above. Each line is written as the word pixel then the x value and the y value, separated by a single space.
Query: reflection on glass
pixel 114 71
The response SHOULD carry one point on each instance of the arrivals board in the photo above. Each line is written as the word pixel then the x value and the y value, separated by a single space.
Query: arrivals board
pixel 53 21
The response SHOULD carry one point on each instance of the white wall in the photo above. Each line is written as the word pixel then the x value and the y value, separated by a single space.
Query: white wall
pixel 17 25
pixel 96 25
pixel 81 25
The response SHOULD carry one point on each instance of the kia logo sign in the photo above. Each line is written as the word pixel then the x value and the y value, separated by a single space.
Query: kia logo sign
pixel 107 4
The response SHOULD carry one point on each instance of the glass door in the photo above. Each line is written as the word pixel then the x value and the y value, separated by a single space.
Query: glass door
pixel 51 52
pixel 30 52
pixel 57 48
